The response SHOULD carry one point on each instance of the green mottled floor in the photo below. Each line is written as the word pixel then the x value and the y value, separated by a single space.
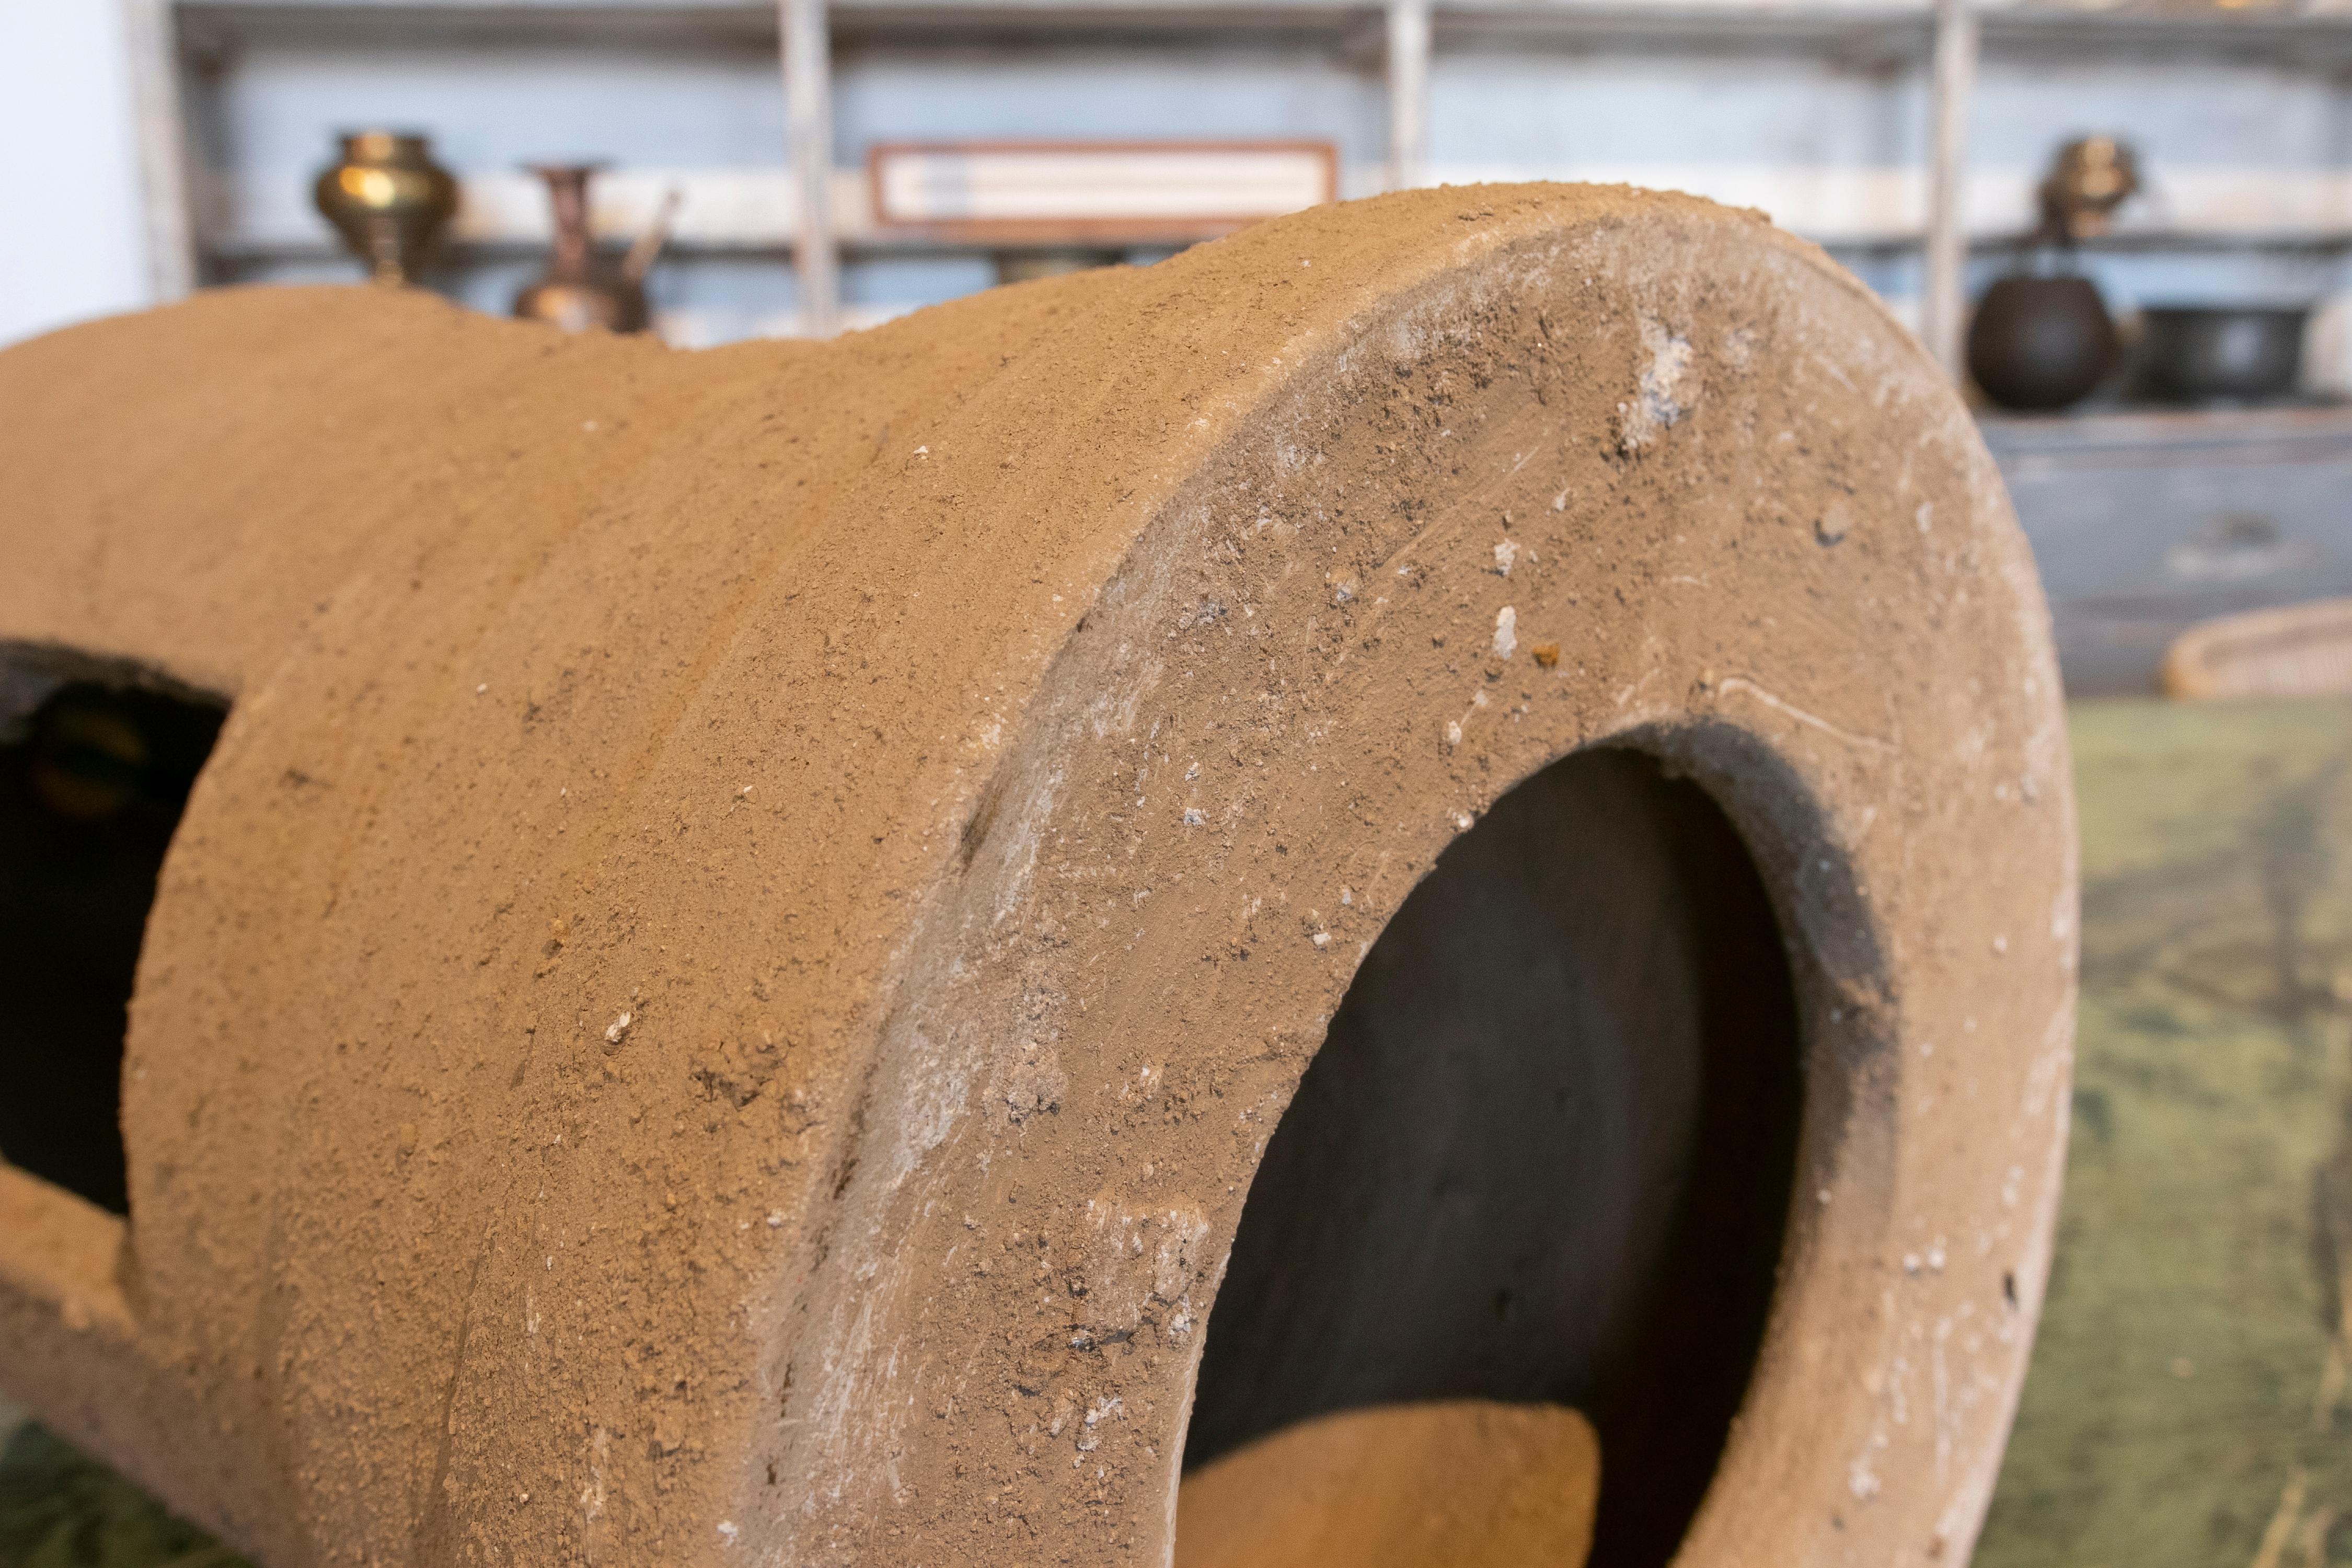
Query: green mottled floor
pixel 2187 1402
pixel 58 1510
pixel 2181 1408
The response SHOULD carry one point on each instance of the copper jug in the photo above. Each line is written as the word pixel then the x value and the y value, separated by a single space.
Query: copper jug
pixel 581 289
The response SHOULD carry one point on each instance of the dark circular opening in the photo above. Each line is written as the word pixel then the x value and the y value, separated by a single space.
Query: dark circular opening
pixel 1545 1154
pixel 94 773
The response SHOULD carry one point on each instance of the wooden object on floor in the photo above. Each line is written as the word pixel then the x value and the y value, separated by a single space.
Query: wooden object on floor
pixel 1466 1482
pixel 2300 651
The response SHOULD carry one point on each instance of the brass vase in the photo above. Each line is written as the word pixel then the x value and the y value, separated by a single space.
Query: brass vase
pixel 390 201
pixel 580 288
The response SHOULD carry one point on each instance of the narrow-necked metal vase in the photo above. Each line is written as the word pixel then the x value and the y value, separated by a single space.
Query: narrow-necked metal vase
pixel 581 289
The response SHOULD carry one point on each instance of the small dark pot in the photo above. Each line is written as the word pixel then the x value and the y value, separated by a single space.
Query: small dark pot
pixel 2198 353
pixel 2040 342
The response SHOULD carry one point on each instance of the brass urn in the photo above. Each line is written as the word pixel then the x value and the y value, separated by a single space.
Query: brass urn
pixel 389 200
pixel 2092 176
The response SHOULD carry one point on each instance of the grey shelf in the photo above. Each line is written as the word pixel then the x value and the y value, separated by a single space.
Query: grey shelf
pixel 2147 520
pixel 2051 32
pixel 2134 242
pixel 212 24
pixel 2108 435
pixel 209 31
pixel 235 256
pixel 2321 39
pixel 236 250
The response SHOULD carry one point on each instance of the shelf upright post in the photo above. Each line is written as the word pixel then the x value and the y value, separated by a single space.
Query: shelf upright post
pixel 149 37
pixel 1953 72
pixel 807 44
pixel 1408 52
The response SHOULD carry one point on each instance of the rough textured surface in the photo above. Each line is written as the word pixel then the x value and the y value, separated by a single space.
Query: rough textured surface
pixel 722 989
pixel 2181 1408
pixel 1456 1485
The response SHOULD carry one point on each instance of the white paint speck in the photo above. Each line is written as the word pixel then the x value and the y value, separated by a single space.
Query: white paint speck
pixel 1506 555
pixel 1664 392
pixel 618 1029
pixel 1322 939
pixel 728 1532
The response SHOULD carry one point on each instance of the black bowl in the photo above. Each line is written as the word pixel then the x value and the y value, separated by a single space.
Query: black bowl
pixel 2200 353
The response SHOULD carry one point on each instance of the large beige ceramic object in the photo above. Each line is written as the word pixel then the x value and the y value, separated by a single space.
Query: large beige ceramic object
pixel 723 994
pixel 1444 1484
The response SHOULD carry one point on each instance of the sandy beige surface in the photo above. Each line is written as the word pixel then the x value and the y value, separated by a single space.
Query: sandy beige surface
pixel 725 984
pixel 1465 1484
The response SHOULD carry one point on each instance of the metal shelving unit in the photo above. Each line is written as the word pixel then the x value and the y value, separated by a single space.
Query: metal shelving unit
pixel 812 209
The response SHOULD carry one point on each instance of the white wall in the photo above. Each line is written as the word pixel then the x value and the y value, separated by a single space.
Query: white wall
pixel 71 240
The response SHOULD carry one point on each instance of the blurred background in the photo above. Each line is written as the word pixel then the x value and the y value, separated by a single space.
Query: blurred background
pixel 155 145
pixel 2124 228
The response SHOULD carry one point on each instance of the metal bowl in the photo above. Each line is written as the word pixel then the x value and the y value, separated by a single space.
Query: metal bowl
pixel 2198 353
pixel 2040 344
